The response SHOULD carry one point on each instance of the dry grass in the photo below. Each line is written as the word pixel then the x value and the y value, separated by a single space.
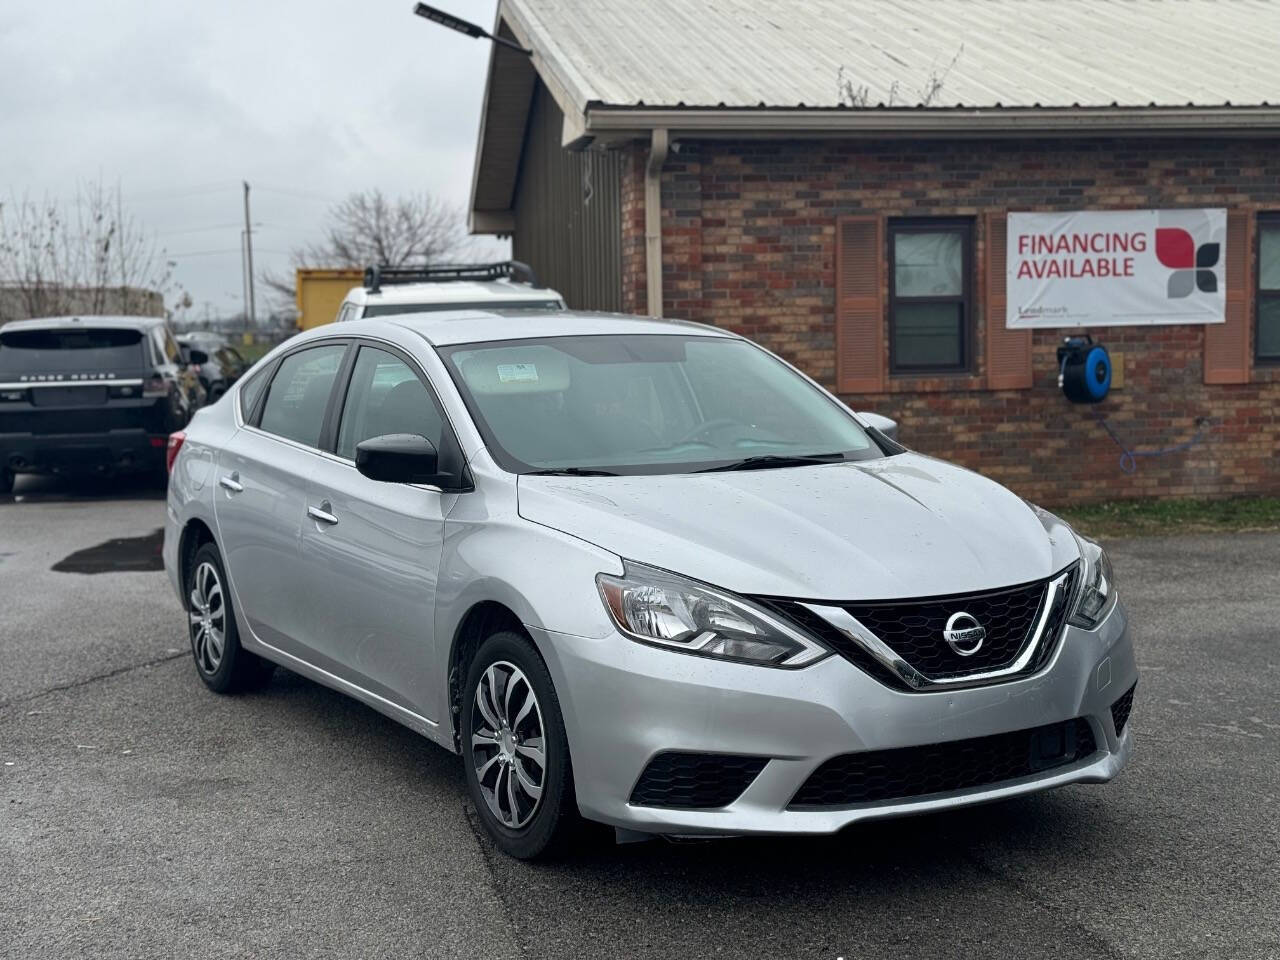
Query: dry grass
pixel 1139 518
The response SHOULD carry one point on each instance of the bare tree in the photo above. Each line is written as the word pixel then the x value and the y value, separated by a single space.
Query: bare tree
pixel 369 228
pixel 88 256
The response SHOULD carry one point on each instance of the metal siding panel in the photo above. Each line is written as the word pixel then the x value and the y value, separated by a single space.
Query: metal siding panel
pixel 572 240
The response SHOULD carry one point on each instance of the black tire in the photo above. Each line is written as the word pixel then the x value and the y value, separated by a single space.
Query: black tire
pixel 6 481
pixel 554 821
pixel 233 669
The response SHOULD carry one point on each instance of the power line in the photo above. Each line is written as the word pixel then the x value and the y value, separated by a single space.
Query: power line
pixel 216 226
pixel 182 192
pixel 210 253
pixel 301 194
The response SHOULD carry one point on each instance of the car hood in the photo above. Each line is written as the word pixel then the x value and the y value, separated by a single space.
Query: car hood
pixel 904 526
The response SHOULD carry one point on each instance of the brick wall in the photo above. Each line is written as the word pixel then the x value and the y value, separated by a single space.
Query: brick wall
pixel 749 244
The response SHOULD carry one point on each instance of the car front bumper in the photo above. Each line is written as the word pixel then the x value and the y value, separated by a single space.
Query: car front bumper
pixel 624 703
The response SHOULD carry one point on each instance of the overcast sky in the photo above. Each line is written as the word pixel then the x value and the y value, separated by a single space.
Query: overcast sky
pixel 179 101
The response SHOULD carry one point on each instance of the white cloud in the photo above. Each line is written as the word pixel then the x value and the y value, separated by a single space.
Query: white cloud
pixel 179 101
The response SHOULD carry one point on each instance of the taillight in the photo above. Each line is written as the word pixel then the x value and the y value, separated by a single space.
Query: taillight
pixel 171 451
pixel 155 386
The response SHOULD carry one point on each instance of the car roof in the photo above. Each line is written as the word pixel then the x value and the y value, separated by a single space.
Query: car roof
pixel 453 291
pixel 84 321
pixel 449 327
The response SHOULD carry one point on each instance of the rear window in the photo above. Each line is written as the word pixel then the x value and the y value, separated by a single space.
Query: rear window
pixel 390 309
pixel 71 351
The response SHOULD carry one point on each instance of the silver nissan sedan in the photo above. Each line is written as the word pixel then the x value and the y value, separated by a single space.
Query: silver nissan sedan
pixel 642 573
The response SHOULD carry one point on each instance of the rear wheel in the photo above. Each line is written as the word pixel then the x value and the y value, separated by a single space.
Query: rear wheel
pixel 223 665
pixel 515 750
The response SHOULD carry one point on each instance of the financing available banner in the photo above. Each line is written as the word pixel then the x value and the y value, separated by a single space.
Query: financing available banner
pixel 1116 268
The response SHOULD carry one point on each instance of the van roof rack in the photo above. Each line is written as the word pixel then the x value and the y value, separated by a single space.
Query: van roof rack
pixel 377 276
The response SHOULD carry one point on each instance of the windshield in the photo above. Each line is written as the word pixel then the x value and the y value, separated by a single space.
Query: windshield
pixel 71 351
pixel 392 309
pixel 644 403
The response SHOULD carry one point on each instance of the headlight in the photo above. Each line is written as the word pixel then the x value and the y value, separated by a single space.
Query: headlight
pixel 660 608
pixel 1098 592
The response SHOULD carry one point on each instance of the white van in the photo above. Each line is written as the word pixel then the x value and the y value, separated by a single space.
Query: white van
pixel 510 284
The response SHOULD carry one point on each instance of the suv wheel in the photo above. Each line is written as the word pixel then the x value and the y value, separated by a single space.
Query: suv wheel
pixel 223 665
pixel 515 750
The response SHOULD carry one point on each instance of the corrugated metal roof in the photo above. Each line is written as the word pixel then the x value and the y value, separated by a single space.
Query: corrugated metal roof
pixel 1015 53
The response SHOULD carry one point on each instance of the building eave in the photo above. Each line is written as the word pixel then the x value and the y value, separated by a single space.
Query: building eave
pixel 607 123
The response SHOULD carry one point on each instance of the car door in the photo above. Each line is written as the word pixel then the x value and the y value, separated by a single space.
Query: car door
pixel 261 499
pixel 373 549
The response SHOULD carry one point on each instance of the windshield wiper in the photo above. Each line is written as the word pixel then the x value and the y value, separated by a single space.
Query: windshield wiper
pixel 767 460
pixel 571 472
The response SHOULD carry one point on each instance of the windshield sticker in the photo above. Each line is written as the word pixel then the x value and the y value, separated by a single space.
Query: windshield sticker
pixel 518 373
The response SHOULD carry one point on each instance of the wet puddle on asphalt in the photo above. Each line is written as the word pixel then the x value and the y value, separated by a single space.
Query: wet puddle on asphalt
pixel 121 555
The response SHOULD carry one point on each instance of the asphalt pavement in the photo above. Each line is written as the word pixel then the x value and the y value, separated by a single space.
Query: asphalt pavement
pixel 141 816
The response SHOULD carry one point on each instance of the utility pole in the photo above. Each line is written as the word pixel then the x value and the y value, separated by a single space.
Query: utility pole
pixel 251 318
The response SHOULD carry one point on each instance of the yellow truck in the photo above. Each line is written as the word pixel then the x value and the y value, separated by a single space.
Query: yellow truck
pixel 320 293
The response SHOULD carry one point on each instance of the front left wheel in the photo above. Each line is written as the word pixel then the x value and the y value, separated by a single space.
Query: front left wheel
pixel 515 750
pixel 223 665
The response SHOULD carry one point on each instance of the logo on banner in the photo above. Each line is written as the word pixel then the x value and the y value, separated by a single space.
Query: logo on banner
pixel 1193 266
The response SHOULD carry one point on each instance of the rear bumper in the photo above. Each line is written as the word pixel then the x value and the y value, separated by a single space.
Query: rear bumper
pixel 625 703
pixel 111 450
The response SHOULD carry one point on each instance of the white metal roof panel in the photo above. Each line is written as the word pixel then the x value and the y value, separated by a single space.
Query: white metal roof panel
pixel 1013 53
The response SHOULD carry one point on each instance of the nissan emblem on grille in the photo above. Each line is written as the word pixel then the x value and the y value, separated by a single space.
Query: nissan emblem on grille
pixel 964 633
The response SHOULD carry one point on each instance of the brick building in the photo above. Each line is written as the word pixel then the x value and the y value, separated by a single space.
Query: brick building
pixel 778 169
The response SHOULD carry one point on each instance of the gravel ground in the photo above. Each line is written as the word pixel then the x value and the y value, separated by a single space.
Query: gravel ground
pixel 141 816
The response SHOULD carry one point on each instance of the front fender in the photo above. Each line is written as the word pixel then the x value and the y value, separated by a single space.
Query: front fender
pixel 545 577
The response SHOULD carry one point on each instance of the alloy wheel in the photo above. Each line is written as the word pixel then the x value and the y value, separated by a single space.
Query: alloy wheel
pixel 208 615
pixel 508 744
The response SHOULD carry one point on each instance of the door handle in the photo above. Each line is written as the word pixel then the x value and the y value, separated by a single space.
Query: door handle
pixel 232 483
pixel 322 514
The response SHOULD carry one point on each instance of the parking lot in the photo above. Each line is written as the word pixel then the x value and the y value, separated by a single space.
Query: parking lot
pixel 141 815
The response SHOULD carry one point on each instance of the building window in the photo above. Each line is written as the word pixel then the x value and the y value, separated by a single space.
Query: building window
pixel 930 297
pixel 1267 339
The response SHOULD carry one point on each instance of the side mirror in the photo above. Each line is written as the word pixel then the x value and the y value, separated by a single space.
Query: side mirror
pixel 885 425
pixel 400 458
pixel 198 357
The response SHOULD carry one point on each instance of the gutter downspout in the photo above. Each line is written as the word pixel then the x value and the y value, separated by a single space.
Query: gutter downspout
pixel 659 150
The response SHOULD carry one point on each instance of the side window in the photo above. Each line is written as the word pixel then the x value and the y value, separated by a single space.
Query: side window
pixel 158 346
pixel 170 347
pixel 299 393
pixel 386 396
pixel 251 390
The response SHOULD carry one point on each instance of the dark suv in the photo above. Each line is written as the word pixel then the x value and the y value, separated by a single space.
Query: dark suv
pixel 90 395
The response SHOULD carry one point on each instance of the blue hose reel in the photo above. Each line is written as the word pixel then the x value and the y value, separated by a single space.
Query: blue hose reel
pixel 1084 369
